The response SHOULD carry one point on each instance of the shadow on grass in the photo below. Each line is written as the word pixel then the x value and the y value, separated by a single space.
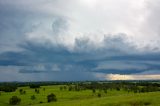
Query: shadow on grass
pixel 130 103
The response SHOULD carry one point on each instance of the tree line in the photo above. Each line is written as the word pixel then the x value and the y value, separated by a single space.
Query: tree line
pixel 139 86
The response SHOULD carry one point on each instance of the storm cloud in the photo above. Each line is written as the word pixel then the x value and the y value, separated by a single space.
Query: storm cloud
pixel 79 40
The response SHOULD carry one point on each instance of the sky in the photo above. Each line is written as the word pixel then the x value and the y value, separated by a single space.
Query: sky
pixel 78 40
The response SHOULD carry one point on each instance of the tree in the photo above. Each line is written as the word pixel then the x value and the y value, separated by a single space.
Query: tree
pixel 14 100
pixel 93 90
pixel 40 102
pixel 70 88
pixel 61 88
pixel 51 98
pixel 24 92
pixel 64 87
pixel 37 91
pixel 33 97
pixel 21 91
pixel 34 86
pixel 99 95
pixel 105 91
pixel 118 89
pixel 8 88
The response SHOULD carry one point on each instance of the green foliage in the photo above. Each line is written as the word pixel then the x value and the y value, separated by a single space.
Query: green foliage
pixel 40 102
pixel 37 91
pixel 61 88
pixel 105 91
pixel 8 88
pixel 14 100
pixel 22 91
pixel 70 88
pixel 118 89
pixel 99 95
pixel 33 97
pixel 34 86
pixel 51 98
pixel 93 90
pixel 64 87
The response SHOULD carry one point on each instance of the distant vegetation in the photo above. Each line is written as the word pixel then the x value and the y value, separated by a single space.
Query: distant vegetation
pixel 8 88
pixel 34 85
pixel 136 87
pixel 56 92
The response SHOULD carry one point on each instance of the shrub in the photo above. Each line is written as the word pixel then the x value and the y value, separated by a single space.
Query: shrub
pixel 61 88
pixel 99 95
pixel 40 102
pixel 21 91
pixel 70 88
pixel 105 91
pixel 118 89
pixel 33 97
pixel 147 103
pixel 37 91
pixel 51 97
pixel 14 100
pixel 93 90
pixel 24 92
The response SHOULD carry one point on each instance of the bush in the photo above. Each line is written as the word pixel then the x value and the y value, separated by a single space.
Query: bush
pixel 14 100
pixel 93 90
pixel 147 103
pixel 51 97
pixel 40 102
pixel 70 88
pixel 99 95
pixel 37 91
pixel 105 91
pixel 61 88
pixel 22 91
pixel 118 89
pixel 33 97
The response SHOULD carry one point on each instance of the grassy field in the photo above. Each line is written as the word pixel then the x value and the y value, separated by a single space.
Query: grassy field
pixel 82 98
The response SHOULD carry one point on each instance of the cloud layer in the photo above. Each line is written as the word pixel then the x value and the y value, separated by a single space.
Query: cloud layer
pixel 92 39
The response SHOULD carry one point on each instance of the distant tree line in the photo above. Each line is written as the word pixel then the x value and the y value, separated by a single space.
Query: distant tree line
pixel 34 86
pixel 8 88
pixel 134 86
pixel 127 86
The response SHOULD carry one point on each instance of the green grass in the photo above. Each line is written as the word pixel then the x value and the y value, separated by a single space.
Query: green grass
pixel 82 98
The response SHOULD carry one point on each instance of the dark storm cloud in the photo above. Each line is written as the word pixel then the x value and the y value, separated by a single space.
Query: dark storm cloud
pixel 55 40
